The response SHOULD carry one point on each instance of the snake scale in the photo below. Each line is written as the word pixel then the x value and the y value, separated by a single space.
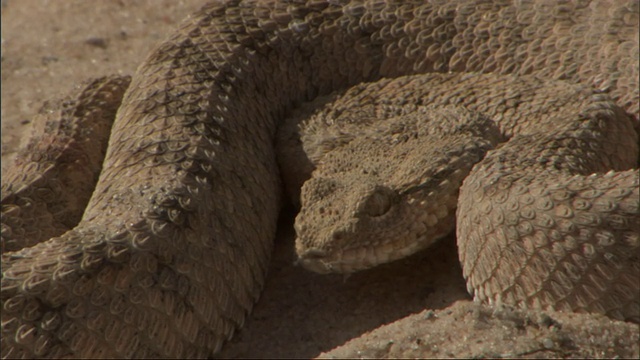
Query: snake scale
pixel 172 249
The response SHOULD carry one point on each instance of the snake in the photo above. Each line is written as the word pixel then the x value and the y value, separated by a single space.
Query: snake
pixel 171 251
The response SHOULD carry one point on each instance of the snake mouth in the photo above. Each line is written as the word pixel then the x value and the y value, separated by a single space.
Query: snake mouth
pixel 314 260
pixel 351 260
pixel 323 262
pixel 323 267
pixel 359 257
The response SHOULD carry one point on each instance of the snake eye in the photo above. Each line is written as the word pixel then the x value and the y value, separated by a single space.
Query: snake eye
pixel 378 202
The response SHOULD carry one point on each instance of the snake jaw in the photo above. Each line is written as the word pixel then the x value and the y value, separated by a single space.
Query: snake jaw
pixel 360 244
pixel 313 260
pixel 320 262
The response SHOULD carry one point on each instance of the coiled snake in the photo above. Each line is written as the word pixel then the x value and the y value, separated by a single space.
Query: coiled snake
pixel 171 251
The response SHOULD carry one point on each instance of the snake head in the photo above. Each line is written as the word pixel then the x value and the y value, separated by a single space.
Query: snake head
pixel 378 199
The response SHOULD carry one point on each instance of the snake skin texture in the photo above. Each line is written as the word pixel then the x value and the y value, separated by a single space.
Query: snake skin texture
pixel 172 249
pixel 387 168
pixel 52 179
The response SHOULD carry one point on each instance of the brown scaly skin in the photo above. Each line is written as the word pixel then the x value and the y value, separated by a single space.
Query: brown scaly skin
pixel 171 252
pixel 54 175
pixel 387 175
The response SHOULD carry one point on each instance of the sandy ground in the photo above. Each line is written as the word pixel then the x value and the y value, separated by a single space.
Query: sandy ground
pixel 412 308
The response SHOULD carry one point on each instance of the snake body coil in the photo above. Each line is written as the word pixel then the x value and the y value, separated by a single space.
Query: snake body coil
pixel 171 252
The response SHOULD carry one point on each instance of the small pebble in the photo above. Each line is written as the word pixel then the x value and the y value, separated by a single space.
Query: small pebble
pixel 97 42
